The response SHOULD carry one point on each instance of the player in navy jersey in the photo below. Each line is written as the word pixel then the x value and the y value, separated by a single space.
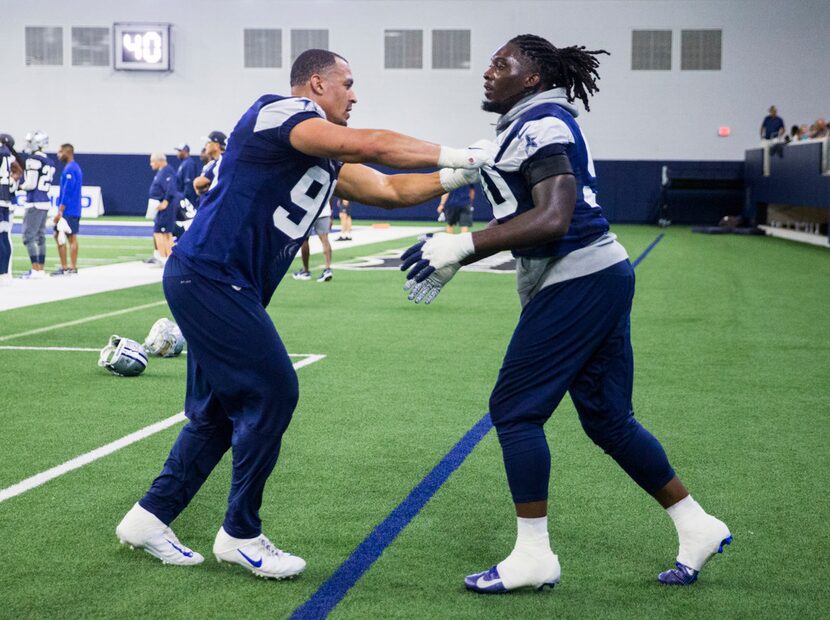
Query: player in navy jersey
pixel 37 181
pixel 576 286
pixel 10 172
pixel 284 159
pixel 165 193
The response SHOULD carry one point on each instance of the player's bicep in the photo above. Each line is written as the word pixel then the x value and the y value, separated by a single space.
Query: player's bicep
pixel 320 138
pixel 556 196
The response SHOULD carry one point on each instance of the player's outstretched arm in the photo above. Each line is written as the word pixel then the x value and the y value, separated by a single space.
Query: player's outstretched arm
pixel 394 191
pixel 320 138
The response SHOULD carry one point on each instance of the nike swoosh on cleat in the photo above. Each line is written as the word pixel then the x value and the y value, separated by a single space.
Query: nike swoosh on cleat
pixel 187 554
pixel 256 564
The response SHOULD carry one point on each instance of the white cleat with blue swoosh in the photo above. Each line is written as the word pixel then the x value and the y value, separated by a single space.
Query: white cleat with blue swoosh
pixel 258 555
pixel 141 529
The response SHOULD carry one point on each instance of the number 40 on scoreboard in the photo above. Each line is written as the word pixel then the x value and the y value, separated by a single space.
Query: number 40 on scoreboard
pixel 141 47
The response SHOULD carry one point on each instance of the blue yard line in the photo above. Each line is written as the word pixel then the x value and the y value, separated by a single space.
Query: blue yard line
pixel 650 247
pixel 335 588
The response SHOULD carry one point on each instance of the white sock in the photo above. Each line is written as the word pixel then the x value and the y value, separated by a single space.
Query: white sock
pixel 532 562
pixel 698 532
pixel 686 511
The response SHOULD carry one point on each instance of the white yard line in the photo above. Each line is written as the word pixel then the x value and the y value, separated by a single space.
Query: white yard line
pixel 85 459
pixel 86 319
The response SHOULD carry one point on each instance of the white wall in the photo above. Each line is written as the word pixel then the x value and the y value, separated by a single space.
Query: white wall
pixel 774 51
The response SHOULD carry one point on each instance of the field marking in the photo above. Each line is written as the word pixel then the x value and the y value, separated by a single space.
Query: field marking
pixel 85 459
pixel 334 589
pixel 310 358
pixel 86 319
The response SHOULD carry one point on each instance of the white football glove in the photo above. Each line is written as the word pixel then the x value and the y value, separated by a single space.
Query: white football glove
pixel 474 156
pixel 443 249
pixel 453 178
pixel 63 229
pixel 428 290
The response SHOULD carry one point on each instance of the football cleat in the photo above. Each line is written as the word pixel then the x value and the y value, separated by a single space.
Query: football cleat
pixel 258 555
pixel 33 274
pixel 684 575
pixel 141 529
pixel 302 275
pixel 325 276
pixel 491 582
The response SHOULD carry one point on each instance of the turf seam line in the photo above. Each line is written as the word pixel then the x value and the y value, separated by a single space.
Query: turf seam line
pixel 85 459
pixel 335 588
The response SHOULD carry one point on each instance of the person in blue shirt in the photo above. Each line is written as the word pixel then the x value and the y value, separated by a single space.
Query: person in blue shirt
pixel 576 287
pixel 165 195
pixel 772 126
pixel 68 218
pixel 284 159
pixel 187 172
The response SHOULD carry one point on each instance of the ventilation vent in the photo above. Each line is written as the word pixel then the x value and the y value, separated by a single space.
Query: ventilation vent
pixel 263 48
pixel 450 49
pixel 403 49
pixel 651 50
pixel 91 47
pixel 44 45
pixel 700 50
pixel 302 40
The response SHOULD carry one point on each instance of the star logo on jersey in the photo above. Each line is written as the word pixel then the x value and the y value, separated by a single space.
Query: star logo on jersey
pixel 530 142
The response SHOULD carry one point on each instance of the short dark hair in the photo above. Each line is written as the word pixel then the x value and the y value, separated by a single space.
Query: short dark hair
pixel 68 146
pixel 310 62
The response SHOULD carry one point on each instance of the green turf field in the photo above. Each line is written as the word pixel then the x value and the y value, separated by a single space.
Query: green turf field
pixel 733 359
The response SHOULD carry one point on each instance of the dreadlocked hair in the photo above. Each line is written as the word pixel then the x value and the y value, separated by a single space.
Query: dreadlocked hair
pixel 573 68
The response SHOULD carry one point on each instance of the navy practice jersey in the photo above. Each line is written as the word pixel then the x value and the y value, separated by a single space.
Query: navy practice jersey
pixel 188 170
pixel 266 196
pixel 543 131
pixel 7 183
pixel 165 187
pixel 37 180
pixel 459 197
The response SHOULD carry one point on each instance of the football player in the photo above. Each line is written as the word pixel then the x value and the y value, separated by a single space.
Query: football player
pixel 10 173
pixel 215 144
pixel 37 181
pixel 321 226
pixel 187 172
pixel 283 159
pixel 576 287
pixel 164 191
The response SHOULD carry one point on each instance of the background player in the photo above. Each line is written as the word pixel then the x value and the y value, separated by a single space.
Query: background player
pixel 215 144
pixel 37 181
pixel 164 189
pixel 69 210
pixel 187 172
pixel 321 226
pixel 576 286
pixel 10 172
pixel 282 162
pixel 457 207
pixel 344 213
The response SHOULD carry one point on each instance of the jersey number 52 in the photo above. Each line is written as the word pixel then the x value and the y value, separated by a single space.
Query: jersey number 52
pixel 308 194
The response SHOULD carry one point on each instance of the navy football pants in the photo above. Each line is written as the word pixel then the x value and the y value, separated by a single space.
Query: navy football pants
pixel 5 241
pixel 574 337
pixel 241 393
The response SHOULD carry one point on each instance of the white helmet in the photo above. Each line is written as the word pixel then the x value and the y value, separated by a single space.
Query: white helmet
pixel 123 357
pixel 165 339
pixel 36 140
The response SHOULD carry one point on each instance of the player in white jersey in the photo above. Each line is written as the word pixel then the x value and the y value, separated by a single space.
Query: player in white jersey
pixel 37 181
pixel 576 287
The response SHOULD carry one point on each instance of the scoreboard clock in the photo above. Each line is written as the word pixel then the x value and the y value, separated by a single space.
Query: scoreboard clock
pixel 142 47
